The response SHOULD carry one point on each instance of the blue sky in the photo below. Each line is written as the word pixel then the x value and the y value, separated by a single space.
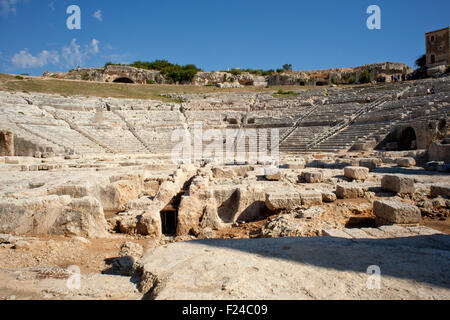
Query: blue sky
pixel 214 35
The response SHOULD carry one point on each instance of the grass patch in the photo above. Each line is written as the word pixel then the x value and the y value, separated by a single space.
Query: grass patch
pixel 121 90
pixel 281 92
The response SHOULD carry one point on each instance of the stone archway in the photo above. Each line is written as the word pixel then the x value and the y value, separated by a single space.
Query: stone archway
pixel 321 83
pixel 123 80
pixel 408 140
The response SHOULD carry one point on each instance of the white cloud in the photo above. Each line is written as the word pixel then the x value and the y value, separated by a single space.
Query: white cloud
pixel 75 55
pixel 70 56
pixel 24 59
pixel 7 7
pixel 98 15
pixel 94 46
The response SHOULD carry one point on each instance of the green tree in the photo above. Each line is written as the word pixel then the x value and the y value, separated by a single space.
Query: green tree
pixel 422 61
pixel 365 77
pixel 287 67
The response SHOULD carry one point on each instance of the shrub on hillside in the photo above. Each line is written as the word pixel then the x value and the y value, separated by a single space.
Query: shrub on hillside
pixel 258 72
pixel 365 77
pixel 174 72
pixel 422 61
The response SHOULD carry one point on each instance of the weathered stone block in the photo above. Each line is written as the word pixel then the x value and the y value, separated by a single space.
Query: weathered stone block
pixel 329 197
pixel 223 173
pixel 336 233
pixel 30 216
pixel 370 164
pixel 406 162
pixel 72 190
pixel 389 212
pixel 440 190
pixel 282 201
pixel 311 197
pixel 398 184
pixel 356 173
pixel 150 224
pixel 210 218
pixel 272 174
pixel 348 191
pixel 357 234
pixel 313 176
pixel 82 217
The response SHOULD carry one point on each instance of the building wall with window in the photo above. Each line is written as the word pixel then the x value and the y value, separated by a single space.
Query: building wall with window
pixel 438 47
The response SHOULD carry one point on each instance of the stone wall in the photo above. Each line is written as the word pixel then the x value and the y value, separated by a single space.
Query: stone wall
pixel 438 47
pixel 439 152
pixel 25 148
pixel 426 132
pixel 6 144
pixel 113 73
pixel 11 145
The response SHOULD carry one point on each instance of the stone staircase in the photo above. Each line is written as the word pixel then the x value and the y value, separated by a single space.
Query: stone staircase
pixel 133 131
pixel 299 139
pixel 76 128
pixel 51 140
pixel 297 124
pixel 345 139
pixel 344 124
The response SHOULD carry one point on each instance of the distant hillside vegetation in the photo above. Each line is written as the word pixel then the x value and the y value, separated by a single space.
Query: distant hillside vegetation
pixel 174 72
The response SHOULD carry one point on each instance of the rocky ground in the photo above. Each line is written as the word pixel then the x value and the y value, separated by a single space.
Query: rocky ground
pixel 37 267
pixel 299 268
pixel 307 230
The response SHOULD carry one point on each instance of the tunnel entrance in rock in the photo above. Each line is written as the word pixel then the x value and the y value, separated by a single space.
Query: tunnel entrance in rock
pixel 169 215
pixel 408 140
pixel 123 80
pixel 232 210
pixel 442 124
pixel 169 222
